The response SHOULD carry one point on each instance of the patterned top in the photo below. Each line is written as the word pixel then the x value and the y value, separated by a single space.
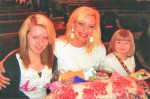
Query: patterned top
pixel 31 83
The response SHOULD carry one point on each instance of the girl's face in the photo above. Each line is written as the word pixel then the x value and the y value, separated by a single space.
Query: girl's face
pixel 122 46
pixel 84 30
pixel 37 39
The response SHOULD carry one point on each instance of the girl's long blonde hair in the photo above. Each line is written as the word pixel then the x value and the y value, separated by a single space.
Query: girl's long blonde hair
pixel 47 54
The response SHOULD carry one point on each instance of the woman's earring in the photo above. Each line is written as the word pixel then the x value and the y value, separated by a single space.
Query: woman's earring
pixel 91 39
pixel 72 34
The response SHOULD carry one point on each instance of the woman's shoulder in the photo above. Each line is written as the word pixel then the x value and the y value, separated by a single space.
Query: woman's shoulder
pixel 59 45
pixel 101 47
pixel 60 40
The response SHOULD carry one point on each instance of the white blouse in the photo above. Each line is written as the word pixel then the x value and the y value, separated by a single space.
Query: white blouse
pixel 71 58
pixel 112 64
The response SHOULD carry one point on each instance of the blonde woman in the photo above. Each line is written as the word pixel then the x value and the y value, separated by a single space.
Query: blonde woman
pixel 30 68
pixel 81 47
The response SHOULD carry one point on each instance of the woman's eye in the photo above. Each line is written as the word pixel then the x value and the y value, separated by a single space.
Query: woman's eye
pixel 81 24
pixel 46 38
pixel 35 37
pixel 91 27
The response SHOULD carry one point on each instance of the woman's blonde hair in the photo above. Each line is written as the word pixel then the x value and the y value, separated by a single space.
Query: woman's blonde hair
pixel 47 54
pixel 79 15
pixel 125 35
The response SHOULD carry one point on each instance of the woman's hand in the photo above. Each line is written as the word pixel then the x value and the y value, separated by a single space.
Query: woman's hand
pixel 3 80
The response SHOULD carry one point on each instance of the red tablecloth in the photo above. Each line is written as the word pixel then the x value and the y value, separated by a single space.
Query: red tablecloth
pixel 116 87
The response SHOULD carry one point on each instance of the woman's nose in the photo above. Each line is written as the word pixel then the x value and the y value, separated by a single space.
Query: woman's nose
pixel 40 41
pixel 85 29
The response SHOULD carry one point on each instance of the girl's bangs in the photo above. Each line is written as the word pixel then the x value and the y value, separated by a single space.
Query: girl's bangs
pixel 121 38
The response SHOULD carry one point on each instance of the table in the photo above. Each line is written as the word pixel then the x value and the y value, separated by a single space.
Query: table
pixel 116 87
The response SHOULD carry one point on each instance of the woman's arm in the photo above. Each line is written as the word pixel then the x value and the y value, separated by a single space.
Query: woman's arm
pixel 4 80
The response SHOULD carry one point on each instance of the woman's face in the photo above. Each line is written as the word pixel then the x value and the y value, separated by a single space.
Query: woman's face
pixel 122 46
pixel 84 30
pixel 37 39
